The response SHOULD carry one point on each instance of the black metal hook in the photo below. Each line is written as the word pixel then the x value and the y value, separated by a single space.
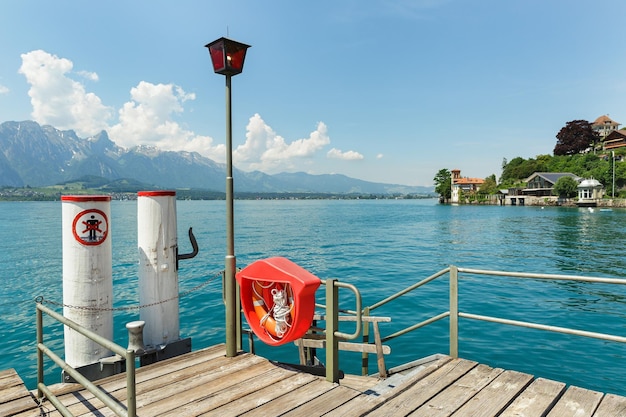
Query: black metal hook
pixel 194 246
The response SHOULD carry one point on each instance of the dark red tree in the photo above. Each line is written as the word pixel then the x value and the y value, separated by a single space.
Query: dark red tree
pixel 574 138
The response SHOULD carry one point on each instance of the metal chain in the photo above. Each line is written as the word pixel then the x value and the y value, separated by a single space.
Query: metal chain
pixel 41 299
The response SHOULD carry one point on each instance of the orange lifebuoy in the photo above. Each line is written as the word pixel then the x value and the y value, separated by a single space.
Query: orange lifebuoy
pixel 293 308
pixel 275 318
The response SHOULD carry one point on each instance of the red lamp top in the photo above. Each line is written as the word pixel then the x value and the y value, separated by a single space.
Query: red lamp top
pixel 227 56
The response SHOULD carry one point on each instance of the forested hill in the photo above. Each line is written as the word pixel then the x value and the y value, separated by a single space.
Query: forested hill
pixel 599 166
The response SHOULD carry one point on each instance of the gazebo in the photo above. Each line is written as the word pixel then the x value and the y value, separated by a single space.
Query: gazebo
pixel 589 192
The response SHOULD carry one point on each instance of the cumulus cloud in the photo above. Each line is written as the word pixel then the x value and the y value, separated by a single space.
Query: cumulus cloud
pixel 348 155
pixel 380 156
pixel 3 89
pixel 59 100
pixel 148 120
pixel 266 151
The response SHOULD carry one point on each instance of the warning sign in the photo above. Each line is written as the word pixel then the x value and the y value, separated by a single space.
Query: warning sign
pixel 90 227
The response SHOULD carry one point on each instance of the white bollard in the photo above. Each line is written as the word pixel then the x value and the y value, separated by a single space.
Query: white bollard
pixel 158 277
pixel 87 275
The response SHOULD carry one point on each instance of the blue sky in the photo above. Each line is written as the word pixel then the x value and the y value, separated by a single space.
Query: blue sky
pixel 381 90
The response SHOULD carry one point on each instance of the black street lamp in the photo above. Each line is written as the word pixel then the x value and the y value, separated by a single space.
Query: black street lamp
pixel 228 57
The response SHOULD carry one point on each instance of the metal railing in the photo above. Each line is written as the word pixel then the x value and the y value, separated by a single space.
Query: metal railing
pixel 333 335
pixel 454 314
pixel 42 389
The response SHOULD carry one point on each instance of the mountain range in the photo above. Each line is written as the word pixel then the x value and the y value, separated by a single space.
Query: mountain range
pixel 36 156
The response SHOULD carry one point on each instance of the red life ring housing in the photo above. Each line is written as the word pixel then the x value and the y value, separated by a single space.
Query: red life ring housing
pixel 278 299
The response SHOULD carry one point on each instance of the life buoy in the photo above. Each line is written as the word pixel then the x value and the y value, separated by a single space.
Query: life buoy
pixel 278 299
pixel 275 316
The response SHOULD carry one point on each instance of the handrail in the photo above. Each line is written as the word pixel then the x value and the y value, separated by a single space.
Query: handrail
pixel 454 314
pixel 409 289
pixel 552 277
pixel 358 310
pixel 333 335
pixel 131 408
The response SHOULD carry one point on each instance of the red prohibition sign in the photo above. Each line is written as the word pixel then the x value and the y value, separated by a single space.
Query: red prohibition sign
pixel 90 227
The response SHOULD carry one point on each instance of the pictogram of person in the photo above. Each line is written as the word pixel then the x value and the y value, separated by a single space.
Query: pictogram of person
pixel 92 226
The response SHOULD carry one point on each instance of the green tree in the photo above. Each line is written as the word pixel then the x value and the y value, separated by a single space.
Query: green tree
pixel 490 186
pixel 519 169
pixel 575 137
pixel 566 187
pixel 443 184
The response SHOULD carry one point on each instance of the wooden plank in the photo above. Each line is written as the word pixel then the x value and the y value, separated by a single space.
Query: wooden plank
pixel 536 399
pixel 14 397
pixel 167 385
pixel 380 359
pixel 324 403
pixel 401 400
pixel 359 383
pixel 24 405
pixel 492 399
pixel 367 319
pixel 175 394
pixel 261 396
pixel 243 387
pixel 448 401
pixel 347 346
pixel 610 406
pixel 165 367
pixel 292 399
pixel 12 389
pixel 577 402
pixel 199 386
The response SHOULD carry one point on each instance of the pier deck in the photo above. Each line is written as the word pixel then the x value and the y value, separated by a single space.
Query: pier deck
pixel 205 382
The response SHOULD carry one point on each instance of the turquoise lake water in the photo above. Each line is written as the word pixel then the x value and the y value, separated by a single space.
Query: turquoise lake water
pixel 381 246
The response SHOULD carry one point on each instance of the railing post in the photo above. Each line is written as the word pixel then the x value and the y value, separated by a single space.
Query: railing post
pixel 39 352
pixel 454 311
pixel 332 325
pixel 366 339
pixel 131 395
pixel 239 323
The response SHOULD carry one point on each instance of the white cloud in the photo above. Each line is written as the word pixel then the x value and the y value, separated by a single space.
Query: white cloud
pixel 91 76
pixel 57 99
pixel 335 153
pixel 3 89
pixel 266 151
pixel 147 120
pixel 380 156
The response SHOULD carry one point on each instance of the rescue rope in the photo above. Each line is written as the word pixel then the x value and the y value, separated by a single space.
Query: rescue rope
pixel 281 310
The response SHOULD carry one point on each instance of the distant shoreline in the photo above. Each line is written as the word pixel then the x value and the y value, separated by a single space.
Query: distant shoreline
pixel 532 201
pixel 24 194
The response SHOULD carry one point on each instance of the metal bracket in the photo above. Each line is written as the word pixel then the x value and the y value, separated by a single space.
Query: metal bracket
pixel 194 246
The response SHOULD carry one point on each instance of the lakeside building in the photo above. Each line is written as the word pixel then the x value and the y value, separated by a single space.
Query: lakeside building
pixel 589 192
pixel 539 189
pixel 604 126
pixel 615 139
pixel 462 185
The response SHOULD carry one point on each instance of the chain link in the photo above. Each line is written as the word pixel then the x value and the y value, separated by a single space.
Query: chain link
pixel 41 299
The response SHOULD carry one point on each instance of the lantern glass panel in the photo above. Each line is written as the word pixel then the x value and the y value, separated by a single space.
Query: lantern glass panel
pixel 217 56
pixel 234 59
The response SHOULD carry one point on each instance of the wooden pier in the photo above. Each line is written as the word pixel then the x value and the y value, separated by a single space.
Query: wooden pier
pixel 205 383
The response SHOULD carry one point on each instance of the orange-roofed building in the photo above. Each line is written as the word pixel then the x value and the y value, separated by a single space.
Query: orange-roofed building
pixel 463 184
pixel 604 125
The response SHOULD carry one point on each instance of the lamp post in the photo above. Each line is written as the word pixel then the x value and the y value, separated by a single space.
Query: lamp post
pixel 228 57
pixel 613 157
